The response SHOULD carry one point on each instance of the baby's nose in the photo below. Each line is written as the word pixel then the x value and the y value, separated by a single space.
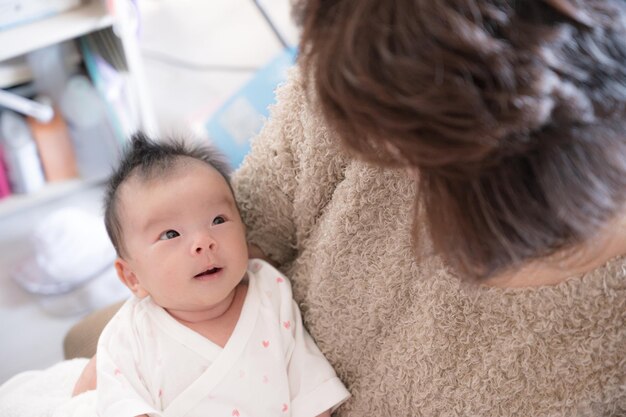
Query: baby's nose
pixel 203 243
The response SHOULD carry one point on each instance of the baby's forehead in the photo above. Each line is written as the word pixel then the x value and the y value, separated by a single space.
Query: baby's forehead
pixel 165 168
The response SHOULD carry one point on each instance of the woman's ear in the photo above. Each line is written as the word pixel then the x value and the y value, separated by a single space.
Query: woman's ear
pixel 128 278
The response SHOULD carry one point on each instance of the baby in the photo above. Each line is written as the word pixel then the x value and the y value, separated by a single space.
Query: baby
pixel 207 333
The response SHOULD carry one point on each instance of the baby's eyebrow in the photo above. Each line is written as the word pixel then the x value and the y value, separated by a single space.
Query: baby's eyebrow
pixel 160 217
pixel 151 223
pixel 224 200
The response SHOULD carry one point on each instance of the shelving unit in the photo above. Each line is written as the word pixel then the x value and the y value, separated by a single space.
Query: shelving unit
pixel 19 203
pixel 21 39
pixel 16 71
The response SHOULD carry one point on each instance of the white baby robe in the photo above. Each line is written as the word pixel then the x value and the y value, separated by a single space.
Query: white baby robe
pixel 149 363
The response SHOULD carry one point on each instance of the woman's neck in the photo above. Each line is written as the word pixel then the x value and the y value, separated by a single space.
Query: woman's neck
pixel 597 251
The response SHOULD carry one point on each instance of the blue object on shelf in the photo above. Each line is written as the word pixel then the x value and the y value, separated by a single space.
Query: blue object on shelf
pixel 241 117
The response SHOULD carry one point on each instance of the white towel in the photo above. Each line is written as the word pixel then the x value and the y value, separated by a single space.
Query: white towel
pixel 47 393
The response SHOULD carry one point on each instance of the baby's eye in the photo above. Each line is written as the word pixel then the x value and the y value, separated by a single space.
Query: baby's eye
pixel 219 220
pixel 169 234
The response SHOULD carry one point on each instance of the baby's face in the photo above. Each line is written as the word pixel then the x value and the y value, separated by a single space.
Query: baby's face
pixel 184 238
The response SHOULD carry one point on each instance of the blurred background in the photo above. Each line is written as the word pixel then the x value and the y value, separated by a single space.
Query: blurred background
pixel 76 78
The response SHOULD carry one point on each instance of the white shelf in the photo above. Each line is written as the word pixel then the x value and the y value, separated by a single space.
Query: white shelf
pixel 30 36
pixel 17 203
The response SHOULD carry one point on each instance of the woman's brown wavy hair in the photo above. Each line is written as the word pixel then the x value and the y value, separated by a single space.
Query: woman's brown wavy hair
pixel 512 111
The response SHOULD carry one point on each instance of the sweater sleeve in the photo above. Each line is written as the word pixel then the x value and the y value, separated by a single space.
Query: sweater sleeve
pixel 265 183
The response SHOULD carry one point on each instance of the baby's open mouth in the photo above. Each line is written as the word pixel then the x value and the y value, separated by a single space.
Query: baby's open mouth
pixel 208 272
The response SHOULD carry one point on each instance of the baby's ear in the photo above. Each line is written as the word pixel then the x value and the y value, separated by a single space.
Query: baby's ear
pixel 128 278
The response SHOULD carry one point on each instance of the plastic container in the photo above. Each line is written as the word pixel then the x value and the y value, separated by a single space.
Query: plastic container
pixel 95 145
pixel 50 69
pixel 20 152
pixel 70 266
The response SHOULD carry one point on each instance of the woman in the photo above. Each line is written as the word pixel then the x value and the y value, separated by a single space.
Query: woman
pixel 445 183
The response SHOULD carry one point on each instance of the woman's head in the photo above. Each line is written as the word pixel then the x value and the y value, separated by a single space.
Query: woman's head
pixel 513 113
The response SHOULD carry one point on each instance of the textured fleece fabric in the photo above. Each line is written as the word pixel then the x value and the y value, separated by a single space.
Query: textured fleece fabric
pixel 405 336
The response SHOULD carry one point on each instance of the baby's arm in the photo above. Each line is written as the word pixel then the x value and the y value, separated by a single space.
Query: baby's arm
pixel 87 379
pixel 123 376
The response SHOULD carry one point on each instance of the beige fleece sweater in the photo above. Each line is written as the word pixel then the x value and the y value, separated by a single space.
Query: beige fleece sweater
pixel 404 335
